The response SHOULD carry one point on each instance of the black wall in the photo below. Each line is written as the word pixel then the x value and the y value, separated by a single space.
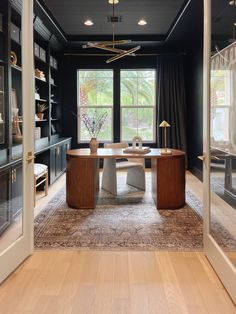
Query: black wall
pixel 194 90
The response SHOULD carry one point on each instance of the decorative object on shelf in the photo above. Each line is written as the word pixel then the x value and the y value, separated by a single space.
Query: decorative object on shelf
pixel 53 62
pixel 93 125
pixel 1 120
pixel 40 110
pixel 53 129
pixel 37 133
pixel 16 132
pixel 37 96
pixel 42 54
pixel 52 81
pixel 13 58
pixel 40 74
pixel 140 149
pixel 36 50
pixel 165 151
pixel 110 45
pixel 15 33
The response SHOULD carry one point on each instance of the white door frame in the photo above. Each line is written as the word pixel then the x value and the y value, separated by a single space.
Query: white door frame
pixel 19 250
pixel 222 265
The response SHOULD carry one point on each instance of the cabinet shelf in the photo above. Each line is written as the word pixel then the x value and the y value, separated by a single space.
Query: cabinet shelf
pixel 52 68
pixel 41 80
pixel 16 67
pixel 54 85
pixel 55 102
pixel 43 120
pixel 40 60
pixel 54 119
pixel 40 99
pixel 15 42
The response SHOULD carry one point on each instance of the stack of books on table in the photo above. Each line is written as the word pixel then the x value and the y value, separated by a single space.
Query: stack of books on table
pixel 137 150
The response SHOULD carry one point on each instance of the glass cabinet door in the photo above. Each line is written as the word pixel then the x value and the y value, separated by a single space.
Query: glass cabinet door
pixel 16 146
pixel 220 140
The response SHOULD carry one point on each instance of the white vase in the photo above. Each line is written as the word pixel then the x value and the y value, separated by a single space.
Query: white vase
pixel 93 145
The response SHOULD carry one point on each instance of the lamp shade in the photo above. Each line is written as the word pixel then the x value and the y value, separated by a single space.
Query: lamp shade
pixel 164 124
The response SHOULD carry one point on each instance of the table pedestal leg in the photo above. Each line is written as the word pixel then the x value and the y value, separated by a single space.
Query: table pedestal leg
pixel 82 182
pixel 168 182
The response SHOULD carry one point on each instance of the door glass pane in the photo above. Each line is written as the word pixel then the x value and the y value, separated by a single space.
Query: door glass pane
pixel 129 123
pixel 11 117
pixel 223 131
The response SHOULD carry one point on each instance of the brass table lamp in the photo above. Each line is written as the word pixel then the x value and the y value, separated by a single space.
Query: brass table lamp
pixel 165 151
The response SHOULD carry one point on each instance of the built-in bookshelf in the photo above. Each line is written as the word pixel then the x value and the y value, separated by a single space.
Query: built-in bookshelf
pixel 50 148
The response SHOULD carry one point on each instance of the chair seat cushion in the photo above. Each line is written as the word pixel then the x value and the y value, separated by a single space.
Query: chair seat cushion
pixel 40 169
pixel 127 164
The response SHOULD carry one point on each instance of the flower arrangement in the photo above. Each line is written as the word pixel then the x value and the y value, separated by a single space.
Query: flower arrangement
pixel 94 123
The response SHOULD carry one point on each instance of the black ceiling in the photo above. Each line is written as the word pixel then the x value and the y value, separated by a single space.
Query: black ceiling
pixel 71 14
pixel 161 16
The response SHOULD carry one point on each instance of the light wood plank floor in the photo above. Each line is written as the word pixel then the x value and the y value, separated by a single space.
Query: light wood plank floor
pixel 56 282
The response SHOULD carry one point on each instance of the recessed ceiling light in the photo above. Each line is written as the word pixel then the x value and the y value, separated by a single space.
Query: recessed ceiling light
pixel 88 23
pixel 113 1
pixel 142 22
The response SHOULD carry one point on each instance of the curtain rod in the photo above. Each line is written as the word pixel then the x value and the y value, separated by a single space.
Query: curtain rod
pixel 112 54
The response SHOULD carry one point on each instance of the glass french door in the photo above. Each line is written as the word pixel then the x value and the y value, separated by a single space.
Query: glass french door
pixel 219 166
pixel 16 134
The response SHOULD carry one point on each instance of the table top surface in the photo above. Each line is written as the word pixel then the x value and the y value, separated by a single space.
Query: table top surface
pixel 118 153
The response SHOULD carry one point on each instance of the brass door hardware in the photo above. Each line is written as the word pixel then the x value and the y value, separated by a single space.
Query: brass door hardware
pixel 30 157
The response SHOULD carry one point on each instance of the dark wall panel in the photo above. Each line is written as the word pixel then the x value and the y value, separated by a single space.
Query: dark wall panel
pixel 195 109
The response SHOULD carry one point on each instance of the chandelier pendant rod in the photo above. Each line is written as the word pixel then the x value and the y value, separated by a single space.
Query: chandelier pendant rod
pixel 113 22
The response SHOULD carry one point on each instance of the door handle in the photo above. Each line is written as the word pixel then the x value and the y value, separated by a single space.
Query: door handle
pixel 30 157
pixel 202 158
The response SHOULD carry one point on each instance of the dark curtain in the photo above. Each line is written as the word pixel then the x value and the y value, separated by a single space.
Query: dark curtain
pixel 171 101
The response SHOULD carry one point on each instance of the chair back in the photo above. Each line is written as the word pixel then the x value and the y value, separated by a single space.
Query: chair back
pixel 124 145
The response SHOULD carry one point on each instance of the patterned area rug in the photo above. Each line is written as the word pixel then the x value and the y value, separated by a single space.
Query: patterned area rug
pixel 128 221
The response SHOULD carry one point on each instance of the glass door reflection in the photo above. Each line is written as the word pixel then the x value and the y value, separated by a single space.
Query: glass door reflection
pixel 223 149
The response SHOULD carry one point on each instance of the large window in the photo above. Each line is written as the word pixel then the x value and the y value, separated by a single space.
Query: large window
pixel 138 104
pixel 220 105
pixel 95 95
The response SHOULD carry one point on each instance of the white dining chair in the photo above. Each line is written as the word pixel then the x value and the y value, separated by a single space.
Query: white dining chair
pixel 135 174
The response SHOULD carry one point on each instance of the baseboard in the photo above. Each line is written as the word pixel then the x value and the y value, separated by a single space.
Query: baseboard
pixel 197 173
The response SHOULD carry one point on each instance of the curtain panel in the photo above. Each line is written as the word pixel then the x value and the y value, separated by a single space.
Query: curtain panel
pixel 171 104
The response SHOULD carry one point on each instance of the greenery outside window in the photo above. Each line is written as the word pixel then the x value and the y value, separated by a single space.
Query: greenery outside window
pixel 220 106
pixel 138 104
pixel 95 95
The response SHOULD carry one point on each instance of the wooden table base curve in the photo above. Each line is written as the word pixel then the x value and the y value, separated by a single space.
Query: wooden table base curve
pixel 82 176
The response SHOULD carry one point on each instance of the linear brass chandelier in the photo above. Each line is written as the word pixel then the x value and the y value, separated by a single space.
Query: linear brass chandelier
pixel 110 45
